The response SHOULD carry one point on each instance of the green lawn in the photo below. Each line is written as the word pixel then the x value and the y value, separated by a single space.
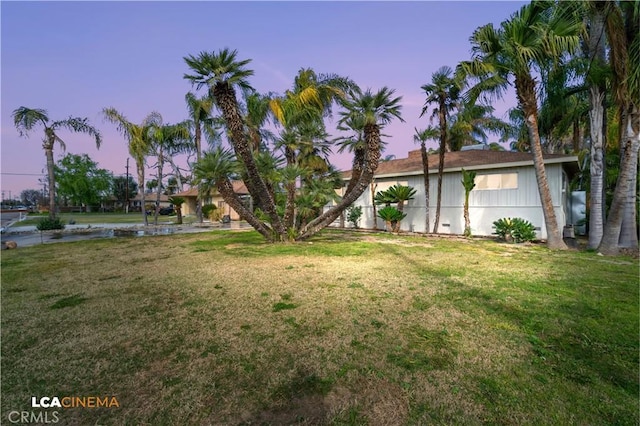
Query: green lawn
pixel 346 329
pixel 97 218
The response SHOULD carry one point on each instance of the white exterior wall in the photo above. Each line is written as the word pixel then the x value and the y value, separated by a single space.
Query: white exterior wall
pixel 485 206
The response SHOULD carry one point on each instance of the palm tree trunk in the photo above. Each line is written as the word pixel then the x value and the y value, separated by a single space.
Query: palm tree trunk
pixel 525 91
pixel 443 141
pixel 467 221
pixel 226 99
pixel 400 207
pixel 425 171
pixel 159 190
pixel 356 167
pixel 373 203
pixel 596 210
pixel 225 188
pixel 629 228
pixel 198 141
pixel 290 205
pixel 140 167
pixel 372 139
pixel 612 228
pixel 48 151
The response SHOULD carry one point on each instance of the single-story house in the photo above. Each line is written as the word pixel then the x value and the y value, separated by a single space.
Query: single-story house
pixel 191 195
pixel 149 198
pixel 506 186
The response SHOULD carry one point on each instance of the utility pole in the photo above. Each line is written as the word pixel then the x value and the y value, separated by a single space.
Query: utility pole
pixel 126 209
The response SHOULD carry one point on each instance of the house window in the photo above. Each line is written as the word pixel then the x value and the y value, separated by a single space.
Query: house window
pixel 497 181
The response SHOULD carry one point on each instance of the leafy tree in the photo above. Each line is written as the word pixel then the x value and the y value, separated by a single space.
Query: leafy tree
pixel 79 179
pixel 123 190
pixel 468 182
pixel 25 119
pixel 31 197
pixel 537 33
pixel 354 214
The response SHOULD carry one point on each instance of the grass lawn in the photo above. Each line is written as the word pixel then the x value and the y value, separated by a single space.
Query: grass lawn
pixel 96 218
pixel 346 329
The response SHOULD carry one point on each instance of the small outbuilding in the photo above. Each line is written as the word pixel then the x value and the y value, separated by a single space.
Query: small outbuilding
pixel 506 186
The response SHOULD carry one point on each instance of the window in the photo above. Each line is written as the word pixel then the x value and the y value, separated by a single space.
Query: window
pixel 497 181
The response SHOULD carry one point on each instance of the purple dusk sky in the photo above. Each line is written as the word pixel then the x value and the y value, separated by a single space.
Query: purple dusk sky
pixel 75 58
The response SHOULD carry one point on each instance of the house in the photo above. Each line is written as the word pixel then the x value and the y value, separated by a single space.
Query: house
pixel 506 186
pixel 190 196
pixel 149 199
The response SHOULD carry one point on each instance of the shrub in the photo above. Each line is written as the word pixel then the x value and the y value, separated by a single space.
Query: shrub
pixel 47 224
pixel 391 216
pixel 353 215
pixel 207 209
pixel 215 215
pixel 515 230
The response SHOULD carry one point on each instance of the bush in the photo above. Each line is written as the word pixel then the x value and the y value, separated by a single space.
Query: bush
pixel 215 215
pixel 207 209
pixel 353 215
pixel 47 224
pixel 515 230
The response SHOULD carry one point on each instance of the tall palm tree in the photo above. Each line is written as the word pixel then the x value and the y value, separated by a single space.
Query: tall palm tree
pixel 444 92
pixel 139 142
pixel 375 110
pixel 199 110
pixel 423 136
pixel 221 72
pixel 166 140
pixel 537 32
pixel 468 182
pixel 25 119
pixel 623 33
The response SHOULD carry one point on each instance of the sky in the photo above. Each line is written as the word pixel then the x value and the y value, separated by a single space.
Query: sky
pixel 76 58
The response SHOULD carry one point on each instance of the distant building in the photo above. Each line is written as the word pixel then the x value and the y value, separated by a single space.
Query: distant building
pixel 191 196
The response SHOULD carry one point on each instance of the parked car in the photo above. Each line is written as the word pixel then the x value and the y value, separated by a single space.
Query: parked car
pixel 166 211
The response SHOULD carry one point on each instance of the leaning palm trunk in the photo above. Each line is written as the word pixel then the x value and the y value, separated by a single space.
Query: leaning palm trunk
pixel 356 167
pixel 372 139
pixel 525 91
pixel 225 188
pixel 425 171
pixel 48 151
pixel 226 99
pixel 612 228
pixel 596 210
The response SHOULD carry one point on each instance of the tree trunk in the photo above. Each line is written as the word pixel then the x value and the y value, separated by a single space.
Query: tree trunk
pixel 225 188
pixel 159 190
pixel 179 215
pixel 140 167
pixel 373 203
pixel 425 171
pixel 372 139
pixel 226 99
pixel 611 236
pixel 467 221
pixel 525 91
pixel 443 142
pixel 400 207
pixel 596 212
pixel 48 151
pixel 629 227
pixel 290 204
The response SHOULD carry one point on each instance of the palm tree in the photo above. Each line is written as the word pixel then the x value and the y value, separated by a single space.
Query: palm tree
pixel 177 202
pixel 139 141
pixel 200 119
pixel 537 32
pixel 470 124
pixel 468 182
pixel 374 110
pixel 423 136
pixel 166 140
pixel 25 119
pixel 399 194
pixel 221 72
pixel 444 91
pixel 623 32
